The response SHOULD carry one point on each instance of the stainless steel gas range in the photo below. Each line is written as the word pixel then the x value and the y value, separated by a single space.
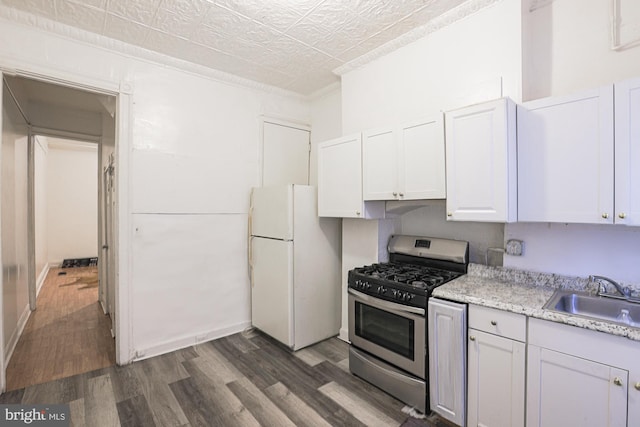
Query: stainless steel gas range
pixel 387 313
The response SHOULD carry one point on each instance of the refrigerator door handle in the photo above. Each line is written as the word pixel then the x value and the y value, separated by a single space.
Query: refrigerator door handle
pixel 250 239
pixel 251 261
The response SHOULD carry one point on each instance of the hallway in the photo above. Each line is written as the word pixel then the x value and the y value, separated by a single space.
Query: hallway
pixel 68 334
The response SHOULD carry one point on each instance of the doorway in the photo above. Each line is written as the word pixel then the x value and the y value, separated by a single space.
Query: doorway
pixel 43 117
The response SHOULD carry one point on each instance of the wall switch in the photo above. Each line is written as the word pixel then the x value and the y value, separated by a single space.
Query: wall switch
pixel 514 247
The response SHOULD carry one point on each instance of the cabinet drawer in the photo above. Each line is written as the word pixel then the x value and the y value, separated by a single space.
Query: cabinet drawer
pixel 498 322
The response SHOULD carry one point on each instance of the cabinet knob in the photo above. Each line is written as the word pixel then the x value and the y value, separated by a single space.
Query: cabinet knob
pixel 605 215
pixel 358 213
pixel 494 323
pixel 617 381
pixel 449 214
pixel 637 386
pixel 622 215
pixel 401 194
pixel 395 194
pixel 472 338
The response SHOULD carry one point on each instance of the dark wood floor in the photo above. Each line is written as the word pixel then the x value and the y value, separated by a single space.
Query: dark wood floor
pixel 68 333
pixel 242 380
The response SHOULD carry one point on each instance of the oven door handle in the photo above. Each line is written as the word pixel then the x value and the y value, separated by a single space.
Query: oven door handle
pixel 386 304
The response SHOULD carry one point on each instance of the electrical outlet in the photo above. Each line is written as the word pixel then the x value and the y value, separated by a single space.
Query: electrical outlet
pixel 514 247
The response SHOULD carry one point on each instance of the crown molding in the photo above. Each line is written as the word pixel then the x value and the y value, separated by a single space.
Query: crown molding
pixel 136 52
pixel 456 14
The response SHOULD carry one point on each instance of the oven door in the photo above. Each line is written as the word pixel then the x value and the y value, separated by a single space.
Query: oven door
pixel 393 332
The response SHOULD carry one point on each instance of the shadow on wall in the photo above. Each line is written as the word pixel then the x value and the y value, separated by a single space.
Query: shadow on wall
pixel 431 221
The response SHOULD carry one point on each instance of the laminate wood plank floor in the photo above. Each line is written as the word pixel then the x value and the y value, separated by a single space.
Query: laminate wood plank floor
pixel 245 379
pixel 67 334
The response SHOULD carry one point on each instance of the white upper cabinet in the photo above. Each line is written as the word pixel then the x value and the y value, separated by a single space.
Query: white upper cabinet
pixel 565 158
pixel 481 162
pixel 340 180
pixel 627 152
pixel 380 164
pixel 406 162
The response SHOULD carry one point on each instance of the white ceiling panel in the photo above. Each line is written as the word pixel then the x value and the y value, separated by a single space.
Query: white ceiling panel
pixel 291 44
pixel 125 30
pixel 87 18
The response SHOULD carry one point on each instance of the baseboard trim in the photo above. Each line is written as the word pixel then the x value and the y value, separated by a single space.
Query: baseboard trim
pixel 344 335
pixel 17 333
pixel 42 277
pixel 188 341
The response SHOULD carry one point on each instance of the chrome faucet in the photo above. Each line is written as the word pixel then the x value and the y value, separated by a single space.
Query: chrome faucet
pixel 602 290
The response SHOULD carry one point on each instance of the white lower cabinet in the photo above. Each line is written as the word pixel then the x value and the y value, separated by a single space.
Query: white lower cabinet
pixel 447 326
pixel 496 381
pixel 581 378
pixel 566 391
pixel 496 368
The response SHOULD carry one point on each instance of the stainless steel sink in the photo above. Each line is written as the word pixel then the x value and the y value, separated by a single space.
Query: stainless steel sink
pixel 595 307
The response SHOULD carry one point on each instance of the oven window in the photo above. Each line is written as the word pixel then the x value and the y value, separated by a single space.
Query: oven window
pixel 388 330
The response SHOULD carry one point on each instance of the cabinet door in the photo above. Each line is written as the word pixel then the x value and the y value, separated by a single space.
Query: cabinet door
pixel 565 158
pixel 380 165
pixel 421 169
pixel 340 177
pixel 481 162
pixel 627 152
pixel 447 326
pixel 496 381
pixel 567 391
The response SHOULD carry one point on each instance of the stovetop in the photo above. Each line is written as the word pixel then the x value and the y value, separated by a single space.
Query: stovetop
pixel 406 283
pixel 417 276
pixel 417 265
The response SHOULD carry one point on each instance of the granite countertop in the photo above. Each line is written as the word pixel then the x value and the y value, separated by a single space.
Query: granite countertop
pixel 525 293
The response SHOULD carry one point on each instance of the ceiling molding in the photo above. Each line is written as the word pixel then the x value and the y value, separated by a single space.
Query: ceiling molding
pixel 137 53
pixel 461 11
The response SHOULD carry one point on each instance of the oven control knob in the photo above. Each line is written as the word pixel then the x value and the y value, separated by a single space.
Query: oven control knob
pixel 408 296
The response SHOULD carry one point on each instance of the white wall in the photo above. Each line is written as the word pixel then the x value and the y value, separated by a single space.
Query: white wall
pixel 40 196
pixel 326 123
pixel 567 48
pixel 194 159
pixel 15 294
pixel 72 200
pixel 457 65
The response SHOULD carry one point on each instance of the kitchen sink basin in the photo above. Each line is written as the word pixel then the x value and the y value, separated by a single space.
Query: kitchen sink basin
pixel 595 307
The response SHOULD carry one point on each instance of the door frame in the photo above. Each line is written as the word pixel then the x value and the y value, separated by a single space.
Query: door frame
pixel 123 91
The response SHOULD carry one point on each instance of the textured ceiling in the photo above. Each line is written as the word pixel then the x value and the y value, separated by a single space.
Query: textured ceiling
pixel 291 44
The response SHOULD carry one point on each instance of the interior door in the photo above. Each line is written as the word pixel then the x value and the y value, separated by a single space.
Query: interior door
pixel 272 288
pixel 285 154
pixel 107 291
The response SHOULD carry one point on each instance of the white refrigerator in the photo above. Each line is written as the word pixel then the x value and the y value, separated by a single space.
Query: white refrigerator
pixel 294 263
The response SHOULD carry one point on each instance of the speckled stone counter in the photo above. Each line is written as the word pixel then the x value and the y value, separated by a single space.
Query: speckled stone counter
pixel 525 293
